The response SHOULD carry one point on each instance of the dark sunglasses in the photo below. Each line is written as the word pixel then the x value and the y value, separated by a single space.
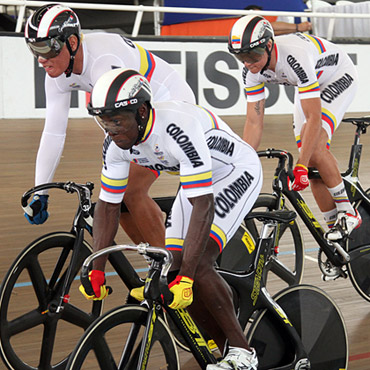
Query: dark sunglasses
pixel 47 49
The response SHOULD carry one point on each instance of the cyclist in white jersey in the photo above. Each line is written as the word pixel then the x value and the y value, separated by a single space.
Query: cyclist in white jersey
pixel 326 82
pixel 220 178
pixel 73 61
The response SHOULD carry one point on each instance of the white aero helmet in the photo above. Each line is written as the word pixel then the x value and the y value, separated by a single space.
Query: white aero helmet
pixel 119 89
pixel 250 34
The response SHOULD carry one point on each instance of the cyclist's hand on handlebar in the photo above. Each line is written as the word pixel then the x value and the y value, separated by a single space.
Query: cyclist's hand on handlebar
pixel 300 177
pixel 36 212
pixel 95 288
pixel 182 289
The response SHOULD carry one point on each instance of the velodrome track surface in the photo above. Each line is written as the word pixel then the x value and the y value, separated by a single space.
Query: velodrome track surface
pixel 81 161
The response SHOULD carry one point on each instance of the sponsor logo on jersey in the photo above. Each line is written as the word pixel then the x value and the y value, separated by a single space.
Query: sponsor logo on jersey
pixel 228 197
pixel 297 68
pixel 106 144
pixel 336 88
pixel 75 85
pixel 161 167
pixel 221 145
pixel 185 144
pixel 330 60
pixel 134 151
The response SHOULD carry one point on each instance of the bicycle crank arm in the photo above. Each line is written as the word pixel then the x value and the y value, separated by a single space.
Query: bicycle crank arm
pixel 341 251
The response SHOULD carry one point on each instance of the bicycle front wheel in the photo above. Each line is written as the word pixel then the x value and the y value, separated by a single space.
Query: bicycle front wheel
pixel 32 334
pixel 359 268
pixel 113 342
pixel 318 322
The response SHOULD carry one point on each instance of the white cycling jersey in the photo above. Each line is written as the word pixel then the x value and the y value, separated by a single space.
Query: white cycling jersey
pixel 101 52
pixel 190 141
pixel 318 68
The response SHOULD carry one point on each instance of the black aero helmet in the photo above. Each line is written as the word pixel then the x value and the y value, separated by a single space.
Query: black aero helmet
pixel 48 29
pixel 250 34
pixel 120 90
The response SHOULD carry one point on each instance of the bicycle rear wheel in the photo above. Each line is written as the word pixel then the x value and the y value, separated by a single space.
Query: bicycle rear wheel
pixel 113 341
pixel 359 269
pixel 31 332
pixel 286 263
pixel 318 322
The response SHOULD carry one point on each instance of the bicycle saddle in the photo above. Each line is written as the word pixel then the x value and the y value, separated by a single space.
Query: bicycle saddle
pixel 283 216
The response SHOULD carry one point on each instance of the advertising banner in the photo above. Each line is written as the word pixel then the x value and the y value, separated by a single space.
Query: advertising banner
pixel 212 72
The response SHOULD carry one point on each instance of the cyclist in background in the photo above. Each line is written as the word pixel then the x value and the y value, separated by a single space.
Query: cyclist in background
pixel 220 178
pixel 282 28
pixel 326 82
pixel 73 61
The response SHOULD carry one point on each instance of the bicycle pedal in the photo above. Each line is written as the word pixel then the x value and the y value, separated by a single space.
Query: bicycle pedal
pixel 339 273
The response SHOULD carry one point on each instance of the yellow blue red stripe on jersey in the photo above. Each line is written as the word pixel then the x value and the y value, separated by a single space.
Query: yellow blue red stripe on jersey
pixel 317 42
pixel 318 74
pixel 115 186
pixel 149 126
pixel 201 180
pixel 147 62
pixel 298 141
pixel 330 119
pixel 174 244
pixel 212 116
pixel 310 88
pixel 218 236
pixel 255 90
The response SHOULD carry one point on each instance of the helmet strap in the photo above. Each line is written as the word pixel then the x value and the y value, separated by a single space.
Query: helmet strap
pixel 140 126
pixel 269 52
pixel 69 69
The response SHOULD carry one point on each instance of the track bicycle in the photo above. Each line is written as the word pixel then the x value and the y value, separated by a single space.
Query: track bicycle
pixel 35 295
pixel 351 255
pixel 301 328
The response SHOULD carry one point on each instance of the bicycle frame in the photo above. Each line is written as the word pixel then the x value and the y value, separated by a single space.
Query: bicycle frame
pixel 244 283
pixel 251 289
pixel 82 221
pixel 281 187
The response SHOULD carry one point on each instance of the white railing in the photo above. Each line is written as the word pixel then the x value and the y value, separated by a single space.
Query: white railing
pixel 140 9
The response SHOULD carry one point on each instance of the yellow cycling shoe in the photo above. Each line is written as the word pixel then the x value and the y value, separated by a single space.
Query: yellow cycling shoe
pixel 138 293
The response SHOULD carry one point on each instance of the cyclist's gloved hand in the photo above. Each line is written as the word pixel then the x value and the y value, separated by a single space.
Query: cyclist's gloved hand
pixel 300 177
pixel 182 289
pixel 36 212
pixel 95 289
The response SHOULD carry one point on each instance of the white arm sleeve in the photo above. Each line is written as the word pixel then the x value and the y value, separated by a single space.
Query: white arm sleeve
pixel 54 133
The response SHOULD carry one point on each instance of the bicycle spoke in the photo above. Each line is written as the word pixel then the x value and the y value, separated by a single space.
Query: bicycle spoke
pixel 38 280
pixel 47 345
pixel 131 339
pixel 25 322
pixel 103 354
pixel 76 316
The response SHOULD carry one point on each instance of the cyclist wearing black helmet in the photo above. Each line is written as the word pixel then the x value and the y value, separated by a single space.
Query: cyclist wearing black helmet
pixel 325 81
pixel 220 178
pixel 72 62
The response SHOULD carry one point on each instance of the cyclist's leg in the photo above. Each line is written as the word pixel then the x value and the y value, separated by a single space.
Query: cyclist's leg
pixel 333 108
pixel 215 295
pixel 213 305
pixel 144 222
